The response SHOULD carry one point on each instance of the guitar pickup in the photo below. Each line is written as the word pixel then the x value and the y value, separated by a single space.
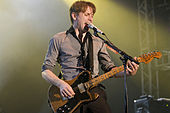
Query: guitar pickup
pixel 81 88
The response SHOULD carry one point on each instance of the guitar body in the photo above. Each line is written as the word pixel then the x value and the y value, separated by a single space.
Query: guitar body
pixel 64 105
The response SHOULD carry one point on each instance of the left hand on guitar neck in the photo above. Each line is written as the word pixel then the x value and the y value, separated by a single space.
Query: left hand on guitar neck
pixel 132 67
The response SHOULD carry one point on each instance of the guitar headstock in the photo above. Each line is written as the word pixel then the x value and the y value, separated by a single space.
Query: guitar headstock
pixel 146 58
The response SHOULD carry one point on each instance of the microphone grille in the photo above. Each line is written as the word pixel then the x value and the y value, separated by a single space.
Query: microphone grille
pixel 90 26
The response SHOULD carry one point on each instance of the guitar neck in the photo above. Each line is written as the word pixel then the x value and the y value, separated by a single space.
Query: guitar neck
pixel 103 77
pixel 145 58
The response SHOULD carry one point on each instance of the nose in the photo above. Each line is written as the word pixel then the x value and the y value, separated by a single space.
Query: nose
pixel 91 18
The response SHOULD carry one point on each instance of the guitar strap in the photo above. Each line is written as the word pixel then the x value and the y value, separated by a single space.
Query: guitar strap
pixel 88 62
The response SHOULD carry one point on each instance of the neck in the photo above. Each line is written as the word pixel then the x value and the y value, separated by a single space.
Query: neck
pixel 79 33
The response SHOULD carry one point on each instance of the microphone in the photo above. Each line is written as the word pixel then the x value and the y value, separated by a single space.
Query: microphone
pixel 91 26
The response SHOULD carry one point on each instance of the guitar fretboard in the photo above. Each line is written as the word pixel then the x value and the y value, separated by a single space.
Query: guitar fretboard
pixel 103 77
pixel 145 58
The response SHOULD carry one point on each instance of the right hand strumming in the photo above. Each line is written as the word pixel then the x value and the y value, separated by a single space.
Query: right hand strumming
pixel 66 90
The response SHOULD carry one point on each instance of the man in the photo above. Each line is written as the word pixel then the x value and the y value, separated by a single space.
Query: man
pixel 77 50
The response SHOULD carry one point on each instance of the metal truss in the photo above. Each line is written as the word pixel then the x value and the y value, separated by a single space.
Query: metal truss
pixel 148 42
pixel 163 4
pixel 146 21
pixel 164 63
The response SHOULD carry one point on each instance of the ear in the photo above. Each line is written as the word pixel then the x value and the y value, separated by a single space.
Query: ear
pixel 74 16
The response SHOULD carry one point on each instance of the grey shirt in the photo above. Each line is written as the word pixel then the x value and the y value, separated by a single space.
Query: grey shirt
pixel 65 48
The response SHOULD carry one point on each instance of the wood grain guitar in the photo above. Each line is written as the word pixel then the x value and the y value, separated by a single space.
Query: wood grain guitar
pixel 82 85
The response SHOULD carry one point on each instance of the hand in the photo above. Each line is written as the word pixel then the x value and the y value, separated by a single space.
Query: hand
pixel 66 90
pixel 132 67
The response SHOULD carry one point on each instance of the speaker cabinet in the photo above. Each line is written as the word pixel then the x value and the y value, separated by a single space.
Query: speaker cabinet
pixel 146 104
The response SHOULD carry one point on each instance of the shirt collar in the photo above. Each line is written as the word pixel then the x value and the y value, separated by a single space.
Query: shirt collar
pixel 71 30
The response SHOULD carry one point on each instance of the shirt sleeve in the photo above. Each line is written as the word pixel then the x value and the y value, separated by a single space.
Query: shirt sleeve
pixel 105 60
pixel 51 55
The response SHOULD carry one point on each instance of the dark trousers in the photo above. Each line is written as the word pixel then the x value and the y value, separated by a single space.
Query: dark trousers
pixel 98 106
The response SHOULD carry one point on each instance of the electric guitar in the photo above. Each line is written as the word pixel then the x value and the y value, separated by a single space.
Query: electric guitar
pixel 82 85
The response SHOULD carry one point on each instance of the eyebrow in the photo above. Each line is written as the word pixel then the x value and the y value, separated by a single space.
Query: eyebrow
pixel 89 13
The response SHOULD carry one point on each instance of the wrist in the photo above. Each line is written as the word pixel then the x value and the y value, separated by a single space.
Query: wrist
pixel 59 83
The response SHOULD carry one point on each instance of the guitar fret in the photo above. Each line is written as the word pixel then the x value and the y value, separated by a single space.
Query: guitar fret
pixel 90 83
pixel 96 81
pixel 116 71
pixel 121 68
pixel 105 76
pixel 99 79
pixel 102 78
pixel 111 73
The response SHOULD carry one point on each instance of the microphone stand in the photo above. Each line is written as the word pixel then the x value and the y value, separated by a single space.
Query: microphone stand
pixel 125 57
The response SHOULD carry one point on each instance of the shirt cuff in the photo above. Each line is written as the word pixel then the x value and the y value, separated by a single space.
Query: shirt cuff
pixel 45 67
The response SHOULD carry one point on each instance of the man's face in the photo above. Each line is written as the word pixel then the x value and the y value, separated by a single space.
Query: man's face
pixel 82 19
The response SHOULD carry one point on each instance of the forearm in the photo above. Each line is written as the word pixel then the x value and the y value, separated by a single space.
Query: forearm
pixel 51 78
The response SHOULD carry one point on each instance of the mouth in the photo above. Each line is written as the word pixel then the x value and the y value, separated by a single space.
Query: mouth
pixel 86 27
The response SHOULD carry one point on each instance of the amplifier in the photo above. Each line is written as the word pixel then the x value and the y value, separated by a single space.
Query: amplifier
pixel 161 105
pixel 146 104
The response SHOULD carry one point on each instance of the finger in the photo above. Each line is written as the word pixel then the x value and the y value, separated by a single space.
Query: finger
pixel 129 70
pixel 127 67
pixel 64 93
pixel 67 93
pixel 70 90
pixel 130 66
pixel 135 58
pixel 136 66
pixel 127 62
pixel 61 92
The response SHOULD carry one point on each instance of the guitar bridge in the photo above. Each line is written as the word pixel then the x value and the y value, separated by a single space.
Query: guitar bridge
pixel 81 88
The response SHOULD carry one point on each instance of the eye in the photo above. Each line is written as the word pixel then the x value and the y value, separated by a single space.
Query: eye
pixel 88 14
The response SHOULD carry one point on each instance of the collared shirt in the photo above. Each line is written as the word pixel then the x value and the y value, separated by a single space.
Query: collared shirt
pixel 66 49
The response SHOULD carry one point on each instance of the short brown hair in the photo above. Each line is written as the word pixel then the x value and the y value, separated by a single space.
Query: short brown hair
pixel 81 6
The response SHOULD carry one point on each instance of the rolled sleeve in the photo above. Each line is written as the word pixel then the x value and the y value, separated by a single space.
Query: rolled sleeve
pixel 105 59
pixel 51 56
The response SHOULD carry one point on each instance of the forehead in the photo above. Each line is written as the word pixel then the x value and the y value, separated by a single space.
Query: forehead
pixel 89 10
